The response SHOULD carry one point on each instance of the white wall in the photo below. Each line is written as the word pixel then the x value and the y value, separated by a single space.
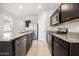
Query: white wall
pixel 42 27
pixel 17 23
pixel 44 24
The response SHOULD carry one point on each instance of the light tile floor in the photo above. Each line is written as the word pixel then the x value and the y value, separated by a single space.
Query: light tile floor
pixel 38 48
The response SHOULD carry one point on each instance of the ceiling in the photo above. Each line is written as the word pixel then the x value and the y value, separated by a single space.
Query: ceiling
pixel 28 9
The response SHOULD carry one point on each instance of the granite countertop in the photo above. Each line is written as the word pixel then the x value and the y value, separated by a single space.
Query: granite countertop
pixel 70 37
pixel 10 36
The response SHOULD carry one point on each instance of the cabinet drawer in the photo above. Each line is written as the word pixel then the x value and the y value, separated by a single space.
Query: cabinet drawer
pixel 61 42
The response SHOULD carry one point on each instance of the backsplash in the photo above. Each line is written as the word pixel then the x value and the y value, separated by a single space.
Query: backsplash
pixel 73 26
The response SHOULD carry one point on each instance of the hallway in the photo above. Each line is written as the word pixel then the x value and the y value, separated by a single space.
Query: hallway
pixel 38 48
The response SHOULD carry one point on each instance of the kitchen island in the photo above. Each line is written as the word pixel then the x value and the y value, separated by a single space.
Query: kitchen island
pixel 16 44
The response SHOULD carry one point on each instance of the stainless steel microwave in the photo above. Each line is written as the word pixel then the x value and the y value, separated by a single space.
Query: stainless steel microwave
pixel 55 19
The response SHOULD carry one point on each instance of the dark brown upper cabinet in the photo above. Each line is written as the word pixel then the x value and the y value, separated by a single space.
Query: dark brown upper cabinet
pixel 69 11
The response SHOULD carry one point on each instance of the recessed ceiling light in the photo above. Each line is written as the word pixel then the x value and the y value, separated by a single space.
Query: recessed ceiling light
pixel 20 7
pixel 39 6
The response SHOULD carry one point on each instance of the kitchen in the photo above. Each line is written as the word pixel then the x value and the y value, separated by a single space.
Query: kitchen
pixel 39 29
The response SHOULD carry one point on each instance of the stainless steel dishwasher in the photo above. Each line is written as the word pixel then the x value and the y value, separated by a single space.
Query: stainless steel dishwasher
pixel 20 46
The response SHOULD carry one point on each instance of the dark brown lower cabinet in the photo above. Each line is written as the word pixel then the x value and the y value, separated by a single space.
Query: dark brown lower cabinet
pixel 6 48
pixel 27 44
pixel 29 39
pixel 63 48
pixel 59 50
pixel 74 49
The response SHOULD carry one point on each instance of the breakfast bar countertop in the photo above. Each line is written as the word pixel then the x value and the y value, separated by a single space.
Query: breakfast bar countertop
pixel 10 36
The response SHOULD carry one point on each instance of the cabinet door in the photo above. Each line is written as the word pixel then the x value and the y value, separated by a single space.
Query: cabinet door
pixel 59 50
pixel 29 39
pixel 75 10
pixel 6 48
pixel 74 49
pixel 66 10
pixel 27 44
pixel 69 11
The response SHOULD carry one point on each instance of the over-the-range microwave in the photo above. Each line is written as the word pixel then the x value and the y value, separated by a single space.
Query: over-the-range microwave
pixel 55 19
